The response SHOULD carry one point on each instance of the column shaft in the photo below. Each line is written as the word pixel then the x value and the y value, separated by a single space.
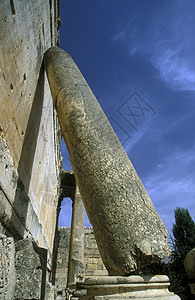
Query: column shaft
pixel 127 228
pixel 76 254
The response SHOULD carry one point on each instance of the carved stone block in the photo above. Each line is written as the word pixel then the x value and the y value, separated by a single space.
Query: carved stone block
pixel 31 270
pixel 7 267
pixel 119 287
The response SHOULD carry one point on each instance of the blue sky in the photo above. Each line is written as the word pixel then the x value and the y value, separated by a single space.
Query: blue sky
pixel 138 58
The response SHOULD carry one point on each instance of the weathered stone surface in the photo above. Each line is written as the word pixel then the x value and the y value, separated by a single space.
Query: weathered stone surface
pixel 92 257
pixel 59 292
pixel 132 287
pixel 189 264
pixel 62 247
pixel 93 262
pixel 127 228
pixel 30 263
pixel 76 255
pixel 29 140
pixel 7 267
pixel 50 291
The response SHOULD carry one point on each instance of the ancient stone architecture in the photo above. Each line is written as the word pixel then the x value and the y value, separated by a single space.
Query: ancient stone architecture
pixel 119 287
pixel 189 264
pixel 7 267
pixel 31 266
pixel 60 271
pixel 30 160
pixel 92 260
pixel 92 264
pixel 127 228
pixel 29 133
pixel 76 257
pixel 38 261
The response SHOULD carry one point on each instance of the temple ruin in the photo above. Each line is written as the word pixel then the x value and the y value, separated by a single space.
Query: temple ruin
pixel 38 259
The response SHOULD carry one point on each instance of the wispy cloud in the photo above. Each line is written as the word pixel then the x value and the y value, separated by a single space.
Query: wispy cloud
pixel 124 35
pixel 136 138
pixel 174 68
pixel 170 187
pixel 166 39
pixel 170 193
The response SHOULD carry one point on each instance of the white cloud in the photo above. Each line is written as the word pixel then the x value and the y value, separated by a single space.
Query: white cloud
pixel 166 39
pixel 135 138
pixel 170 187
pixel 124 35
pixel 174 69
pixel 169 193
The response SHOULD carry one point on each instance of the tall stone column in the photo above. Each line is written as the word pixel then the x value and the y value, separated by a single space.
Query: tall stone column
pixel 76 253
pixel 127 228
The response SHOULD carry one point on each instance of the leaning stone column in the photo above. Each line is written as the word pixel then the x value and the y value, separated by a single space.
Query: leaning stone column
pixel 127 228
pixel 76 253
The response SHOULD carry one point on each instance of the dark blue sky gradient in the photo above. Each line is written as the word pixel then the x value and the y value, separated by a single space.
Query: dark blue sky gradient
pixel 148 47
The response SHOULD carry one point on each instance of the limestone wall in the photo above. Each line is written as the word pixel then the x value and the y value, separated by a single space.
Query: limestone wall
pixel 29 131
pixel 62 256
pixel 92 260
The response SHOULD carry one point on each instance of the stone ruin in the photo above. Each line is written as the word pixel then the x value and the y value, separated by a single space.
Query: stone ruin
pixel 189 264
pixel 114 197
pixel 35 109
pixel 127 228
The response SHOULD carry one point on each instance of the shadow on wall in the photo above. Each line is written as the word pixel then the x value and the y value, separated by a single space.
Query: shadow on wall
pixel 21 201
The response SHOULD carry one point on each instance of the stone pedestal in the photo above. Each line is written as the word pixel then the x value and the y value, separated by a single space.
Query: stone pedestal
pixel 119 287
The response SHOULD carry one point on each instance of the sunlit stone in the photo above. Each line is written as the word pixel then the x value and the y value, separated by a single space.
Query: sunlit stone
pixel 127 228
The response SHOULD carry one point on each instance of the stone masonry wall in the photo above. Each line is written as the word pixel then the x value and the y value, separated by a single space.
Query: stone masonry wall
pixel 23 271
pixel 92 260
pixel 61 268
pixel 29 132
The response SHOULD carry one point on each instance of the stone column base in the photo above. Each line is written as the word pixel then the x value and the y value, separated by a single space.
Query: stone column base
pixel 119 287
